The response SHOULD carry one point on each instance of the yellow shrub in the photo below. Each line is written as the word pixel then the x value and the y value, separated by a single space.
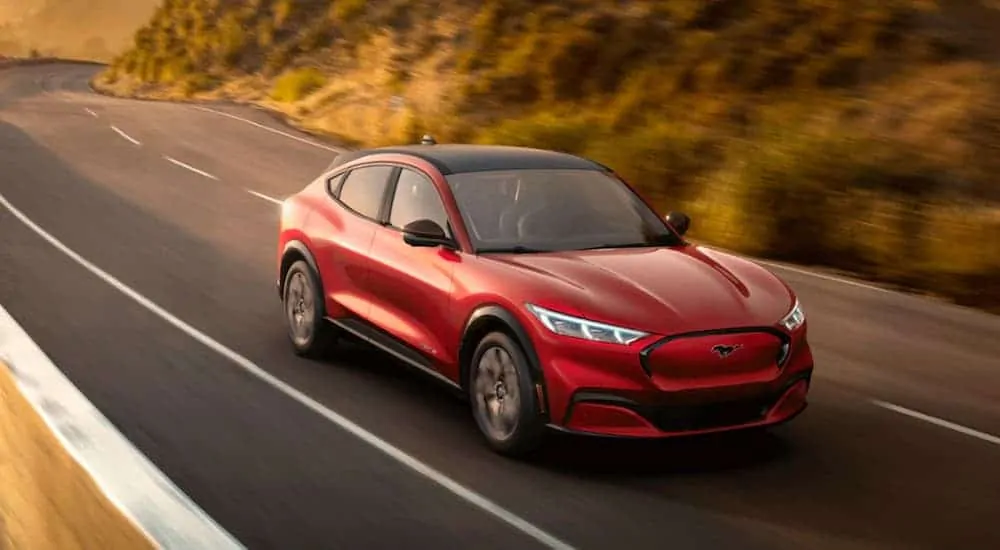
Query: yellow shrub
pixel 297 84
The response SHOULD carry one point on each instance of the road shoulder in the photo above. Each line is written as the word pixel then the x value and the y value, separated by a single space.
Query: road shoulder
pixel 71 479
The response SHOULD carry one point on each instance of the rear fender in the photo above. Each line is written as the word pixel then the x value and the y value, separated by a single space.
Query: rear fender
pixel 295 249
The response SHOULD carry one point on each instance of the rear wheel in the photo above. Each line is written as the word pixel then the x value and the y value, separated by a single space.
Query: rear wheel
pixel 311 335
pixel 501 393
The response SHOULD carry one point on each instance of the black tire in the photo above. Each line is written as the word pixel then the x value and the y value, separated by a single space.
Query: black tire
pixel 302 302
pixel 518 435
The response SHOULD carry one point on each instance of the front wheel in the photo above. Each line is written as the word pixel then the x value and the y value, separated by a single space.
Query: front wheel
pixel 503 401
pixel 302 299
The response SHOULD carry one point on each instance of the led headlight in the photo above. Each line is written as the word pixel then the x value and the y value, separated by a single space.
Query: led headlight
pixel 576 327
pixel 795 318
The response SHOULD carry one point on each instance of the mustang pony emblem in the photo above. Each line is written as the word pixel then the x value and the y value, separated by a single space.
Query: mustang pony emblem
pixel 724 351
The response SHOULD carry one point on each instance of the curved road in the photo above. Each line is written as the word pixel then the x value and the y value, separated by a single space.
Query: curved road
pixel 176 202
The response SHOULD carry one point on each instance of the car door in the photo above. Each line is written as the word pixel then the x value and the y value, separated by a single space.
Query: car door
pixel 412 286
pixel 343 236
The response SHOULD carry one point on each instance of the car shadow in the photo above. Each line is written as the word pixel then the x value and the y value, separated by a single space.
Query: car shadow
pixel 623 458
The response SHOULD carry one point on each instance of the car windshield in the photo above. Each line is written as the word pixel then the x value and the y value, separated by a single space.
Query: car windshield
pixel 555 210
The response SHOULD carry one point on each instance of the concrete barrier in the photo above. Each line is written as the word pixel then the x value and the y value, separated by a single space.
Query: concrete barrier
pixel 70 480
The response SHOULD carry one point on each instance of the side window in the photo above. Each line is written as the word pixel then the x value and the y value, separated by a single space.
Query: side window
pixel 364 189
pixel 416 198
pixel 333 184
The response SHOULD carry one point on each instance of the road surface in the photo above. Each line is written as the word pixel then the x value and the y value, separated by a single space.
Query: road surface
pixel 177 203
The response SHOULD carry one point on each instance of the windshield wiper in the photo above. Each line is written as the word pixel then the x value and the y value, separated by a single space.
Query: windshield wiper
pixel 517 249
pixel 651 244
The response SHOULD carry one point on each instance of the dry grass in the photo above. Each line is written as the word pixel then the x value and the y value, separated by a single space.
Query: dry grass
pixel 48 501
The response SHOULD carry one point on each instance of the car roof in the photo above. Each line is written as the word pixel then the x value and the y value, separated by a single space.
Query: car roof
pixel 459 158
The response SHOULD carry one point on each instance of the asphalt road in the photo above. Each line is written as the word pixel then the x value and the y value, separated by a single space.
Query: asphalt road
pixel 115 181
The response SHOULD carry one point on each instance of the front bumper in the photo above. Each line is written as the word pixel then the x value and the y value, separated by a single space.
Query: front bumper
pixel 613 390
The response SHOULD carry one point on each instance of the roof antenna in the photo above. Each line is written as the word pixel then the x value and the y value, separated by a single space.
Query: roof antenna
pixel 427 140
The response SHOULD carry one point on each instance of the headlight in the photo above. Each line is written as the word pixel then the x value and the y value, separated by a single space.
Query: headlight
pixel 795 318
pixel 576 327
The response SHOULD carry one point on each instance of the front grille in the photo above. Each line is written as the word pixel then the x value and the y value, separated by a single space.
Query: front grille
pixel 676 418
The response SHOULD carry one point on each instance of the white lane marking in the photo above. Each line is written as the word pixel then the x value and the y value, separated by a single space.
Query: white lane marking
pixel 799 270
pixel 459 490
pixel 825 277
pixel 121 133
pixel 938 422
pixel 143 493
pixel 90 112
pixel 265 197
pixel 269 129
pixel 189 167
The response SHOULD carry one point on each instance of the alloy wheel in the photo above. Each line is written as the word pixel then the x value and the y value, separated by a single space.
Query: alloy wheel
pixel 300 308
pixel 498 392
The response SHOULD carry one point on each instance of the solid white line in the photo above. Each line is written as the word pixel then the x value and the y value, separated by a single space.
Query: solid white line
pixel 800 270
pixel 265 197
pixel 123 474
pixel 825 277
pixel 269 129
pixel 90 112
pixel 459 490
pixel 938 422
pixel 189 167
pixel 126 136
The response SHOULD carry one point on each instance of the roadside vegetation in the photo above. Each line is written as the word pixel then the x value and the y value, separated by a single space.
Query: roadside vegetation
pixel 79 29
pixel 862 135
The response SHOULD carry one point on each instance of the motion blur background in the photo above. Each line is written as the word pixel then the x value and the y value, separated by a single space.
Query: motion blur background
pixel 861 134
pixel 857 135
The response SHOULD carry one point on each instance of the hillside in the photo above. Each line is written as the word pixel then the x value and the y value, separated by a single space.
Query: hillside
pixel 90 29
pixel 858 134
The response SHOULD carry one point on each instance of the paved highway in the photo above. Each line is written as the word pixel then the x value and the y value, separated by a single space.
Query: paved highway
pixel 177 204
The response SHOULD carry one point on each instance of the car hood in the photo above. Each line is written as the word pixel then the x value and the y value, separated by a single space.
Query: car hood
pixel 658 290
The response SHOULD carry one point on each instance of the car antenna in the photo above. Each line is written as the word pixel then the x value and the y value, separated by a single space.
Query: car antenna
pixel 428 140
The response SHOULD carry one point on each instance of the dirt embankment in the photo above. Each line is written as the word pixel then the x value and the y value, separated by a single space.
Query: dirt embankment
pixel 48 501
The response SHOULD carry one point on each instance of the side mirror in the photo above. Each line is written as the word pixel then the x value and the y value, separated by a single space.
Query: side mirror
pixel 425 233
pixel 679 221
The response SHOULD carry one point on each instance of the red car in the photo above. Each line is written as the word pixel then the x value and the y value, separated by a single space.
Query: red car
pixel 544 288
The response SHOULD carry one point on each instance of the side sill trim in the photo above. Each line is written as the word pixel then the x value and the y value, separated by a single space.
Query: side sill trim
pixel 378 341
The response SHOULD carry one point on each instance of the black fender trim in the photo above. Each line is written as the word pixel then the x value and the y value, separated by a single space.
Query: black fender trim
pixel 300 248
pixel 500 313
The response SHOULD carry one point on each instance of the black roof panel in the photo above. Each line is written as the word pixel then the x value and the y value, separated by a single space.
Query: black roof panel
pixel 454 159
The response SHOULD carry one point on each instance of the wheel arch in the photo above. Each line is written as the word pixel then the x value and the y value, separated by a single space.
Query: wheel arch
pixel 294 251
pixel 492 318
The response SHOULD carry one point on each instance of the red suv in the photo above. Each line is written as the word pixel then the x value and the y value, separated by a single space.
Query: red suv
pixel 545 289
